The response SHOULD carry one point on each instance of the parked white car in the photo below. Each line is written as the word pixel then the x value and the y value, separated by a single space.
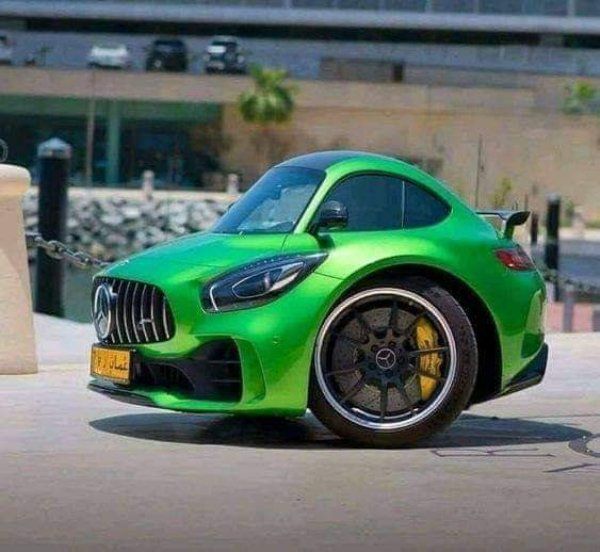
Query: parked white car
pixel 109 56
pixel 6 50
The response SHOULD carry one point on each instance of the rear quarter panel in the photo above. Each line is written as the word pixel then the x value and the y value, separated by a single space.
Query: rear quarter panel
pixel 461 245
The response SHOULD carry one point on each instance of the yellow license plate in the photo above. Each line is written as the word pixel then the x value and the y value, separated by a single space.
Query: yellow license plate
pixel 114 364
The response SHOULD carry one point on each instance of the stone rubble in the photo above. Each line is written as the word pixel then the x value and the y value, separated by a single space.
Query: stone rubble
pixel 114 227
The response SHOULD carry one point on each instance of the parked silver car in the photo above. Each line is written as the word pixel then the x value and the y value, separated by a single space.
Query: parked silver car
pixel 6 50
pixel 109 56
pixel 224 54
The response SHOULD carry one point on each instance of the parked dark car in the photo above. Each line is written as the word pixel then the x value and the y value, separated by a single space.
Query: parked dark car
pixel 167 55
pixel 224 54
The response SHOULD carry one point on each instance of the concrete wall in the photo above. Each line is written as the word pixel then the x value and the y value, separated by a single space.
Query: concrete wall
pixel 525 136
pixel 539 153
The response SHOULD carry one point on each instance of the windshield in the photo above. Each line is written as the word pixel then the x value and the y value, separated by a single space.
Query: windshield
pixel 274 204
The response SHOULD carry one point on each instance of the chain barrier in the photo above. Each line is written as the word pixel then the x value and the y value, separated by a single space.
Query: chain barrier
pixel 80 259
pixel 58 250
pixel 554 277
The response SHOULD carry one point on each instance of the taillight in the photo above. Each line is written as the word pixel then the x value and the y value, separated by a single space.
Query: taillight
pixel 515 258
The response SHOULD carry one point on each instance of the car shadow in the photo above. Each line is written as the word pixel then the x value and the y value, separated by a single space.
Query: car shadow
pixel 305 433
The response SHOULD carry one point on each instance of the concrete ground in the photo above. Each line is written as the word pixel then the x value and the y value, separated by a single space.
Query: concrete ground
pixel 79 471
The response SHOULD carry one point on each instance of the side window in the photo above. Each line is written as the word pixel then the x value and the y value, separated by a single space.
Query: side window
pixel 374 202
pixel 421 208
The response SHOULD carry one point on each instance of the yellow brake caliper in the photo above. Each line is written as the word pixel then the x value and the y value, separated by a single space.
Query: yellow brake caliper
pixel 427 338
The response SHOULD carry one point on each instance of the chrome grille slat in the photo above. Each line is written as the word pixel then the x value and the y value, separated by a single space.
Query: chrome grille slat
pixel 164 317
pixel 154 325
pixel 125 313
pixel 136 302
pixel 118 285
pixel 142 313
pixel 134 322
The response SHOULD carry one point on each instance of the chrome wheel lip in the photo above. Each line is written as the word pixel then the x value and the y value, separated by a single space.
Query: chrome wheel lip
pixel 434 312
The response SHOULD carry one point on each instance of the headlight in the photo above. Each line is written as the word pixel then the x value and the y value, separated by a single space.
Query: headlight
pixel 258 283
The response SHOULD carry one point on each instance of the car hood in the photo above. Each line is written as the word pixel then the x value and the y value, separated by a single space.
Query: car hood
pixel 200 255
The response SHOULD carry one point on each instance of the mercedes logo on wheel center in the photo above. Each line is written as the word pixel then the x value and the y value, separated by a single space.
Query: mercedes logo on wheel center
pixel 385 358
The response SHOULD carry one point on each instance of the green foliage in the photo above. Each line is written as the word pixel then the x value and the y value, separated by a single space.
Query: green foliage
pixel 502 193
pixel 568 213
pixel 580 98
pixel 593 224
pixel 271 101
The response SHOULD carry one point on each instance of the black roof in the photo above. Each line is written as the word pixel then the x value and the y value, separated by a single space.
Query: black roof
pixel 322 160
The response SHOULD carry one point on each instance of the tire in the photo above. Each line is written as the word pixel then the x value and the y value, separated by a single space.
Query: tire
pixel 421 354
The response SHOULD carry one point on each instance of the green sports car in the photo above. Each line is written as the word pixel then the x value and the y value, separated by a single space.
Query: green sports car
pixel 349 283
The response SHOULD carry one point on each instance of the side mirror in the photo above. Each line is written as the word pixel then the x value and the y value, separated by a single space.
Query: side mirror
pixel 332 215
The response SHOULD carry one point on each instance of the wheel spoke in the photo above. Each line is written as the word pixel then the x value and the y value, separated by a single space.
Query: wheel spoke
pixel 407 332
pixel 383 403
pixel 393 323
pixel 421 352
pixel 354 390
pixel 348 338
pixel 363 322
pixel 405 397
pixel 342 371
pixel 425 374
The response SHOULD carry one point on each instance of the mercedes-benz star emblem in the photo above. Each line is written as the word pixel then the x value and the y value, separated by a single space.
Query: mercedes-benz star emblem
pixel 104 299
pixel 385 358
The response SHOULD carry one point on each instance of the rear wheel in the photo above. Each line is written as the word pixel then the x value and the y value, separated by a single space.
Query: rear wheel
pixel 393 363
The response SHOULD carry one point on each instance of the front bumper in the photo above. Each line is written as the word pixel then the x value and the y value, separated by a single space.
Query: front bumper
pixel 268 373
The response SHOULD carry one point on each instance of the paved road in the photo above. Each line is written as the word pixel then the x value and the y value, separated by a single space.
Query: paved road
pixel 78 471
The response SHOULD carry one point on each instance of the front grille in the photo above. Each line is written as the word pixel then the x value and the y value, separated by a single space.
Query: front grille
pixel 140 311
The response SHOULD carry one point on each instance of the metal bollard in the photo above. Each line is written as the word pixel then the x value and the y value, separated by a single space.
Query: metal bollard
pixel 148 185
pixel 233 184
pixel 54 159
pixel 551 250
pixel 596 318
pixel 570 296
pixel 534 229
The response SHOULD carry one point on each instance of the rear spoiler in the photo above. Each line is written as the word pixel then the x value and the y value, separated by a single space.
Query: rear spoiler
pixel 505 221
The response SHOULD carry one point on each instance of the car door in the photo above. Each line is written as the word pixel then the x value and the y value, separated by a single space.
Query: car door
pixel 388 218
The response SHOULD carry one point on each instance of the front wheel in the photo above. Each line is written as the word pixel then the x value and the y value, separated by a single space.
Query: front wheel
pixel 393 363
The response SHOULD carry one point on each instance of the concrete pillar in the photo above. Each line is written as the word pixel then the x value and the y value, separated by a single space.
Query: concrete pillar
pixel 113 143
pixel 17 342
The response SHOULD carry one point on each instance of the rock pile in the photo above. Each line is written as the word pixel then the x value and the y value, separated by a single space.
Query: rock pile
pixel 113 227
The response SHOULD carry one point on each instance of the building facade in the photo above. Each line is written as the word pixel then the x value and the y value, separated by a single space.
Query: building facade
pixel 518 134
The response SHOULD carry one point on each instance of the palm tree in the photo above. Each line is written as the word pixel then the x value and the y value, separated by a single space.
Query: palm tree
pixel 270 103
